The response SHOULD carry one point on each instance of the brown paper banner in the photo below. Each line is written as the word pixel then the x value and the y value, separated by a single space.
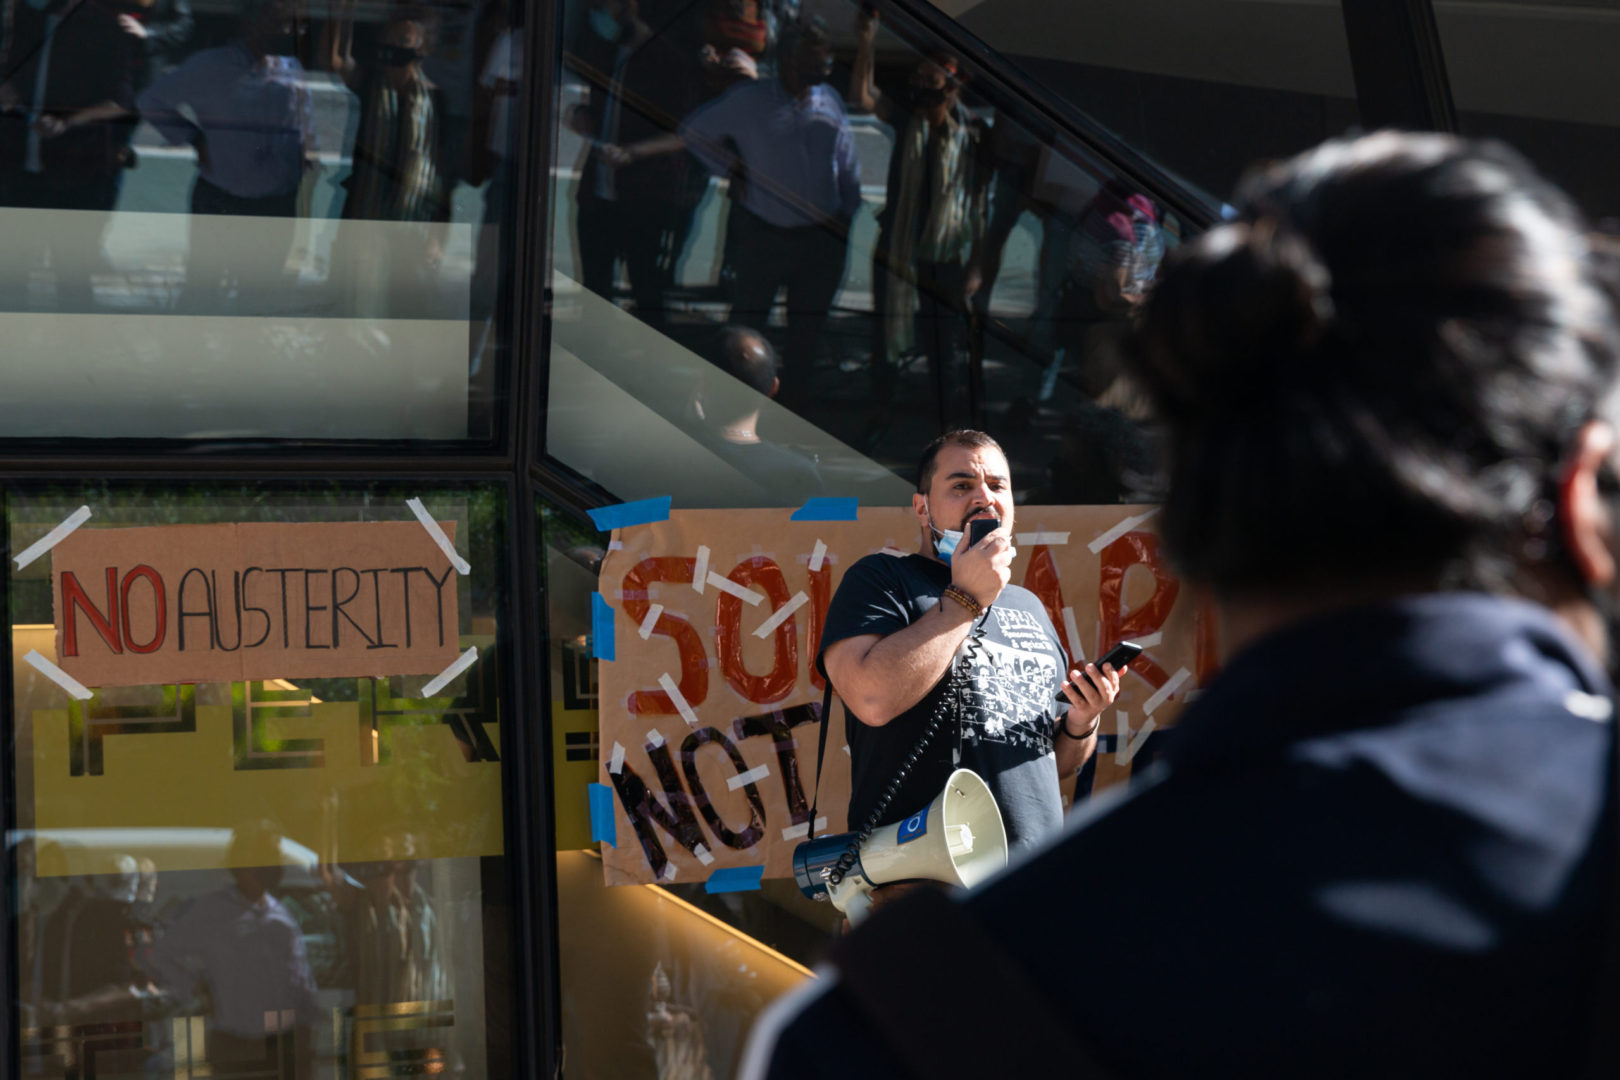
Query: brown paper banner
pixel 720 773
pixel 229 603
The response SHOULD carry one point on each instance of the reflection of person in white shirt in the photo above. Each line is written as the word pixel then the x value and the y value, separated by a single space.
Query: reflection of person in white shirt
pixel 242 947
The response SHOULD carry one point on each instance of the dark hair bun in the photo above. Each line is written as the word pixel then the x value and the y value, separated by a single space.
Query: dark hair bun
pixel 1401 336
pixel 1231 315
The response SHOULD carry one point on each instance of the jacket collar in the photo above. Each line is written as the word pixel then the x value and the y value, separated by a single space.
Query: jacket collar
pixel 1368 667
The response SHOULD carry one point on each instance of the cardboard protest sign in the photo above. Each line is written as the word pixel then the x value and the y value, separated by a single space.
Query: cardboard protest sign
pixel 227 603
pixel 709 705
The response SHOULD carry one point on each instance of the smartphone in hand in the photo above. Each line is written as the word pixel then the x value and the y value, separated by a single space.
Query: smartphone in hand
pixel 979 528
pixel 1119 656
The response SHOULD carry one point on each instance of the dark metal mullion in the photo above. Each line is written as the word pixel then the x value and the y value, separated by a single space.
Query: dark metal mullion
pixel 249 468
pixel 1398 64
pixel 531 836
pixel 10 973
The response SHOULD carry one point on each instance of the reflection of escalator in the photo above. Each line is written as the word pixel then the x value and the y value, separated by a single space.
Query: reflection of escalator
pixel 1007 188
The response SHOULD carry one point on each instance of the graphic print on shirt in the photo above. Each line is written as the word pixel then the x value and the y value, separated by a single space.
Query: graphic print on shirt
pixel 1013 682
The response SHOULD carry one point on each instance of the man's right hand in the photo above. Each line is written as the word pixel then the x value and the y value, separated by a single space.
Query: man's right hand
pixel 984 569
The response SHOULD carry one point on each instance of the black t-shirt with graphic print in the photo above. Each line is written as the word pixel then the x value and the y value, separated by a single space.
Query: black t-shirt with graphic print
pixel 1011 707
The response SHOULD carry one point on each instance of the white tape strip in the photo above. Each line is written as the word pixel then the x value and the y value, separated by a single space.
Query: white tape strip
pixel 700 572
pixel 818 556
pixel 1052 538
pixel 752 776
pixel 616 763
pixel 1125 755
pixel 1119 530
pixel 703 855
pixel 52 538
pixel 654 739
pixel 895 552
pixel 1122 734
pixel 675 697
pixel 442 679
pixel 57 675
pixel 669 871
pixel 783 614
pixel 1075 643
pixel 462 566
pixel 615 545
pixel 650 621
pixel 1148 641
pixel 846 748
pixel 1163 693
pixel 793 832
pixel 726 585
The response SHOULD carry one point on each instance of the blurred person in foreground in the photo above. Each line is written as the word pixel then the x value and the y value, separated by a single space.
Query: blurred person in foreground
pixel 1381 840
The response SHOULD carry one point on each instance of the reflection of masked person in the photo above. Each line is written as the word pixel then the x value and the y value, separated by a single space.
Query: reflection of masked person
pixel 66 105
pixel 242 947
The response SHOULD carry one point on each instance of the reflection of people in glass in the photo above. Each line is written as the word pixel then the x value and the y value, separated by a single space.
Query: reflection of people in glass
pixel 396 174
pixel 241 948
pixel 251 123
pixel 1117 250
pixel 801 185
pixel 70 72
pixel 728 419
pixel 635 211
pixel 489 154
pixel 162 26
pixel 396 943
pixel 934 212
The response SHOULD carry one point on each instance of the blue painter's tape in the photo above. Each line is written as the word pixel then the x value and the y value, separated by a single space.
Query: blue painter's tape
pixel 602 824
pixel 623 515
pixel 825 509
pixel 602 645
pixel 735 879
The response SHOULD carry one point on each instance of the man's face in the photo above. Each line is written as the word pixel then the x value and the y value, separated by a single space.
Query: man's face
pixel 929 77
pixel 969 482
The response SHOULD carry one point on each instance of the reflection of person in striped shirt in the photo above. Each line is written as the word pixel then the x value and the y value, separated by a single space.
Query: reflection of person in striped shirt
pixel 254 133
pixel 396 173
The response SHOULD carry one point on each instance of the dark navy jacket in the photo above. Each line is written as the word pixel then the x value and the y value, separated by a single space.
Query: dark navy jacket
pixel 1377 846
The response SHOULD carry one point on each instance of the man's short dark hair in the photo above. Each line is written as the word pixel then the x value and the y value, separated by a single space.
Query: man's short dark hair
pixel 807 30
pixel 975 440
pixel 756 367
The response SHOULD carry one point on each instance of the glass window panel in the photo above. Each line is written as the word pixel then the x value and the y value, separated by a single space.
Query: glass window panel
pixel 650 975
pixel 1539 76
pixel 256 219
pixel 1205 87
pixel 291 877
pixel 771 285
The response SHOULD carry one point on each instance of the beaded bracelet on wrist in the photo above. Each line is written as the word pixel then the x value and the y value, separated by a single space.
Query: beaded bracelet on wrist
pixel 961 596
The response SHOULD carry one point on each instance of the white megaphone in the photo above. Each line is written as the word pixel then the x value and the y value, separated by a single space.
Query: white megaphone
pixel 957 838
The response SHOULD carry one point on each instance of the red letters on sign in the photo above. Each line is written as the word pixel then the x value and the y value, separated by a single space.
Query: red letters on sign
pixel 160 609
pixel 1114 624
pixel 694 680
pixel 75 599
pixel 1041 578
pixel 779 682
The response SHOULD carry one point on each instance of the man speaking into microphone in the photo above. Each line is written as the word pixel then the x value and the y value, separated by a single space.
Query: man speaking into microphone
pixel 895 628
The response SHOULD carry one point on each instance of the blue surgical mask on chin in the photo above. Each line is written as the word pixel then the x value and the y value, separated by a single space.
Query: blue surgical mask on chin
pixel 945 543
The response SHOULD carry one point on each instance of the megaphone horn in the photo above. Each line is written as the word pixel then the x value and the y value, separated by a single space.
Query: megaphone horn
pixel 958 838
